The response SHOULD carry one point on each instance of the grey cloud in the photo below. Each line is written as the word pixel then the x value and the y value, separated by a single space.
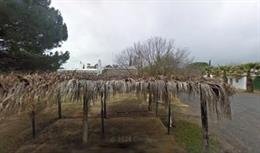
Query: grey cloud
pixel 225 32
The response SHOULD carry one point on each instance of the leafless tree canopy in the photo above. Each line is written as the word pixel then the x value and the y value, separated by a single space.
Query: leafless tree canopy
pixel 155 56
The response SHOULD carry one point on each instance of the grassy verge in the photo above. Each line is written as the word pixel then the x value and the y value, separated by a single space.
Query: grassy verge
pixel 189 136
pixel 188 133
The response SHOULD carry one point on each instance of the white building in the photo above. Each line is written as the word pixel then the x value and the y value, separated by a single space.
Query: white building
pixel 238 82
pixel 94 70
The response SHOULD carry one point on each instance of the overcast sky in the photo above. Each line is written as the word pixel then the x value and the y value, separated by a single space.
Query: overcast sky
pixel 227 32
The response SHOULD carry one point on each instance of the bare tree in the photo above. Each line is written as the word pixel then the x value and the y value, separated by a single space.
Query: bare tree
pixel 155 56
pixel 126 57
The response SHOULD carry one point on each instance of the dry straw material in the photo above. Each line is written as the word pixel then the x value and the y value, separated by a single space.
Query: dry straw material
pixel 20 92
pixel 24 92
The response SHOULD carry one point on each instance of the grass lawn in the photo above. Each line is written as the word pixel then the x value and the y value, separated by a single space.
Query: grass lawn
pixel 187 131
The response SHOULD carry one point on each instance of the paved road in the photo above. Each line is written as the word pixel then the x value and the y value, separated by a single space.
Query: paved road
pixel 243 131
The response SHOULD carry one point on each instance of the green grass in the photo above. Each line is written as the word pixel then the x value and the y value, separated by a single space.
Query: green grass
pixel 189 136
pixel 188 132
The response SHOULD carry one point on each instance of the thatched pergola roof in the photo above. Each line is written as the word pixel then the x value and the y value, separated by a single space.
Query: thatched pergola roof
pixel 22 93
pixel 19 91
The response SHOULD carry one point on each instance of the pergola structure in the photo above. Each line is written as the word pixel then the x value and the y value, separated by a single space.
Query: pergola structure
pixel 22 92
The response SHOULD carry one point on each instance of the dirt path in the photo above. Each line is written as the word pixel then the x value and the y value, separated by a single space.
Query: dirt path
pixel 129 128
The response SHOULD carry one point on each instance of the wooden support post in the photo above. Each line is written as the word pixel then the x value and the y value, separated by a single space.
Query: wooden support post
pixel 157 101
pixel 102 114
pixel 169 117
pixel 150 97
pixel 59 105
pixel 33 124
pixel 168 101
pixel 204 121
pixel 85 118
pixel 105 101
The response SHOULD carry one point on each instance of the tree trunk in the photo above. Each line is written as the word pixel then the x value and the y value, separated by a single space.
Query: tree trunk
pixel 59 105
pixel 204 121
pixel 85 118
pixel 33 124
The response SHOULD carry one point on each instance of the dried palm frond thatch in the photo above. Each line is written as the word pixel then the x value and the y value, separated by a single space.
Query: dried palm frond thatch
pixel 22 92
